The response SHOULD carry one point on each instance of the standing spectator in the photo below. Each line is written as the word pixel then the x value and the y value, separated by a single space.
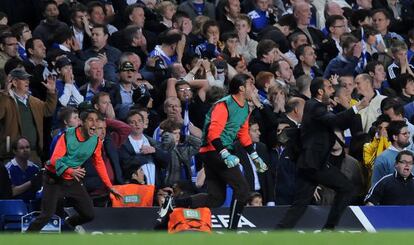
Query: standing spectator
pixel 307 62
pixel 47 27
pixel 347 62
pixel 97 16
pixel 231 12
pixel 80 26
pixel 336 27
pixel 22 114
pixel 196 8
pixel 101 49
pixel 24 174
pixel 23 33
pixel 296 40
pixel 398 135
pixel 96 83
pixel 365 87
pixel 399 66
pixel 247 47
pixel 68 117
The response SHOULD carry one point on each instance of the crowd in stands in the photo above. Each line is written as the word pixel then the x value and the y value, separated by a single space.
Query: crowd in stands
pixel 153 69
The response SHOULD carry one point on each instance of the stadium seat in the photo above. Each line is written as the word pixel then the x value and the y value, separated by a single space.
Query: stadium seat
pixel 11 212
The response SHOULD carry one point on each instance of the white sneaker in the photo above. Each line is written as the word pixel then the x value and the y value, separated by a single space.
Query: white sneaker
pixel 166 206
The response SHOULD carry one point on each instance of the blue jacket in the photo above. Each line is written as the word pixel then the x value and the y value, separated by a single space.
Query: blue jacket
pixel 342 65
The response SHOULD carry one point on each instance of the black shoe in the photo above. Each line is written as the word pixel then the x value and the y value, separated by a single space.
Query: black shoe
pixel 167 206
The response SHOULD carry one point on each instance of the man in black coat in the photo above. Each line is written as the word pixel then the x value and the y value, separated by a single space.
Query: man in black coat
pixel 317 138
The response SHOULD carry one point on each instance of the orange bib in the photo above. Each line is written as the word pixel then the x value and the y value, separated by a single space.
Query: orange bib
pixel 184 219
pixel 133 195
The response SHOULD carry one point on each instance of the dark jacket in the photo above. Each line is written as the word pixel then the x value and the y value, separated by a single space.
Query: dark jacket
pixel 317 133
pixel 46 30
pixel 265 179
pixel 284 174
pixel 130 159
pixel 188 7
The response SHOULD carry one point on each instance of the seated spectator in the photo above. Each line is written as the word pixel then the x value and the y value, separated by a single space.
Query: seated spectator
pixel 167 10
pixel 228 12
pixel 336 27
pixel 264 80
pixel 283 73
pixel 348 61
pixel 94 71
pixel 97 16
pixel 230 40
pixel 140 150
pixel 247 47
pixel 398 135
pixel 396 188
pixel 25 175
pixel 296 40
pixel 182 148
pixel 381 22
pixel 80 26
pixel 8 50
pixel 361 17
pixel 255 200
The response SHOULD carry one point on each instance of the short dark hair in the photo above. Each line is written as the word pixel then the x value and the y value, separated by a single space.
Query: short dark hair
pixel 77 8
pixel 129 9
pixel 179 15
pixel 229 35
pixel 93 4
pixel 384 11
pixel 169 125
pixel 132 113
pixel 370 67
pixel 392 103
pixel 301 50
pixel 348 39
pixel 404 79
pixel 17 29
pixel 84 114
pixel 404 152
pixel 264 47
pixel 394 128
pixel 316 84
pixel 359 16
pixel 103 27
pixel 207 25
pixel 237 81
pixel 129 33
pixel 30 45
pixel 288 20
pixel 331 20
pixel 47 3
pixel 62 34
pixel 4 36
pixel 291 104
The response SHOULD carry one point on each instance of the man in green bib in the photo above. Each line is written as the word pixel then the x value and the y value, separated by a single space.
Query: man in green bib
pixel 64 173
pixel 226 121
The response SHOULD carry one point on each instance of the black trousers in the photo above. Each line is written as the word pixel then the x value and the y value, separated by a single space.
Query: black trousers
pixel 218 175
pixel 307 180
pixel 56 188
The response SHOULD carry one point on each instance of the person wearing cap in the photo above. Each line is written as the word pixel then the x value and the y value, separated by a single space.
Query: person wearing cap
pixel 122 95
pixel 22 114
pixel 68 93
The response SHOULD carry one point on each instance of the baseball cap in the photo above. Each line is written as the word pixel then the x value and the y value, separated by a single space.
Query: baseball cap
pixel 127 66
pixel 19 73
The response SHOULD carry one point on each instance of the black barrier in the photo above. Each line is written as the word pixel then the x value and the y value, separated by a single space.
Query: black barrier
pixel 253 219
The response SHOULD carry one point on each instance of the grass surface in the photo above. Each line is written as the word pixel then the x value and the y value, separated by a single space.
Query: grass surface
pixel 215 239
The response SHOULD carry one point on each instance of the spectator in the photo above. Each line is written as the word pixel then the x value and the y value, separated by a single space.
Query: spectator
pixel 182 148
pixel 336 27
pixel 23 33
pixel 255 200
pixel 97 16
pixel 283 73
pixel 348 61
pixel 246 46
pixel 25 175
pixel 101 49
pixel 8 49
pixel 210 48
pixel 197 8
pixel 23 115
pixel 261 16
pixel 398 135
pixel 142 151
pixel 396 188
pixel 364 85
pixel 307 62
pixel 267 53
pixel 96 83
pixel 67 91
pixel 377 71
pixel 167 10
pixel 296 40
pixel 68 117
pixel 80 26
pixel 231 12
pixel 407 88
pixel 399 66
pixel 47 27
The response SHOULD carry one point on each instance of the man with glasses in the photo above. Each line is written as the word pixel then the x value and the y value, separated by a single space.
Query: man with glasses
pixel 397 188
pixel 399 136
pixel 8 50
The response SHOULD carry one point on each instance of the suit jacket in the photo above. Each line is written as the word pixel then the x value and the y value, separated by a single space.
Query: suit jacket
pixel 265 179
pixel 317 133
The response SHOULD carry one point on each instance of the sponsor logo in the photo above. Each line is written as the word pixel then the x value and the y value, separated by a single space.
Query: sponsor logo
pixel 192 214
pixel 132 199
pixel 222 221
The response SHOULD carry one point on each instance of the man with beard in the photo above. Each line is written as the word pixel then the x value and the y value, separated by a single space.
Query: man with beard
pixel 317 138
pixel 399 136
pixel 47 27
pixel 64 173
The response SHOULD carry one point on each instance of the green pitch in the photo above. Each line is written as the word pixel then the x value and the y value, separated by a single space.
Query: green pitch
pixel 215 239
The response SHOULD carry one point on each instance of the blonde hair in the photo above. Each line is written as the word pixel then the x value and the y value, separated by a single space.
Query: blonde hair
pixel 162 6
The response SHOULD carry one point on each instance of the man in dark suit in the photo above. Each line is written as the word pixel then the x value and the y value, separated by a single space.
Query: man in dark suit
pixel 317 138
